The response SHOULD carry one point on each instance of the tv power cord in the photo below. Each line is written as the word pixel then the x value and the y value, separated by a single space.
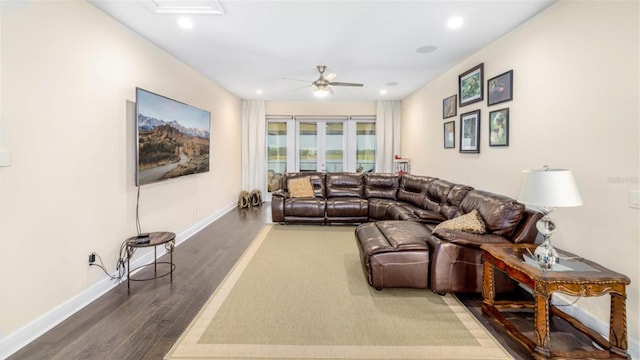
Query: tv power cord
pixel 121 266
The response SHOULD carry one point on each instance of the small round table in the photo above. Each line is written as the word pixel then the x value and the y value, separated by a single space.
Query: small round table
pixel 154 239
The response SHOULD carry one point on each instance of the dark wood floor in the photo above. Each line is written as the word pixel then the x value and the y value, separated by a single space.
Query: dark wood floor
pixel 146 323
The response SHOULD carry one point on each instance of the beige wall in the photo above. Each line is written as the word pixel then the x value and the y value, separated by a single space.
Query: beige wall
pixel 326 108
pixel 69 74
pixel 575 106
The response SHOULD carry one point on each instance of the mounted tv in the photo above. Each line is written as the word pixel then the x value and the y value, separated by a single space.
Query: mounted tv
pixel 173 138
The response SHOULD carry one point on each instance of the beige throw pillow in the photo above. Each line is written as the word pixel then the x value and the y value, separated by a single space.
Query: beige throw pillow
pixel 300 187
pixel 471 223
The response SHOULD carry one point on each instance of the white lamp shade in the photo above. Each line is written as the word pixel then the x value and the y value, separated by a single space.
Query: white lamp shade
pixel 549 188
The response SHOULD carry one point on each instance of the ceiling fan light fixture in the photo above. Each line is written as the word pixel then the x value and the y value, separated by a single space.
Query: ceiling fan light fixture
pixel 321 92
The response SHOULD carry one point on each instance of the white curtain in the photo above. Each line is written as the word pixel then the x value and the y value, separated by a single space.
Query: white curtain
pixel 254 167
pixel 388 132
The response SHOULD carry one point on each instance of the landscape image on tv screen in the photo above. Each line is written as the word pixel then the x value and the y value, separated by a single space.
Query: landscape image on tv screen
pixel 173 138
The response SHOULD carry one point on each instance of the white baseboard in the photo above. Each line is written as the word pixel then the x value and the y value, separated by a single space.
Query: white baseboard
pixel 17 340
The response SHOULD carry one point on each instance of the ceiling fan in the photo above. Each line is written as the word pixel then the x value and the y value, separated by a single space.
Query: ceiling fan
pixel 322 86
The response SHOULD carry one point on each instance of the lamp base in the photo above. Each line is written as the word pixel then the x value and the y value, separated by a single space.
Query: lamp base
pixel 546 255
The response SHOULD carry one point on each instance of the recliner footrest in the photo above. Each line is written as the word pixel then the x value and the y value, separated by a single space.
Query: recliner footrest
pixel 394 254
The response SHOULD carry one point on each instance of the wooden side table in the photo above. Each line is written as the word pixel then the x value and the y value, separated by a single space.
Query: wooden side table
pixel 574 276
pixel 155 239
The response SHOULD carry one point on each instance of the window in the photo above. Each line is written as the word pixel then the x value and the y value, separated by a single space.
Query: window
pixel 277 150
pixel 366 146
pixel 316 143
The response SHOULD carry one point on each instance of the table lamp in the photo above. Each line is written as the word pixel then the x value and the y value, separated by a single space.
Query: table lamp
pixel 548 189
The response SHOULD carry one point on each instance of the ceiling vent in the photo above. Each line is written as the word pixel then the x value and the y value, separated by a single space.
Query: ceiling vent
pixel 184 6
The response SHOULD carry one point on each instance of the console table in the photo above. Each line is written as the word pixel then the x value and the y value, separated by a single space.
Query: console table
pixel 574 276
pixel 154 239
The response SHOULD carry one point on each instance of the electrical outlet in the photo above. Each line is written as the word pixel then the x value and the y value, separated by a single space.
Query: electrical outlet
pixel 92 258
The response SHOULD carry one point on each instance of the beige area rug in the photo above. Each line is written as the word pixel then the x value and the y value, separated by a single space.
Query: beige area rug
pixel 299 292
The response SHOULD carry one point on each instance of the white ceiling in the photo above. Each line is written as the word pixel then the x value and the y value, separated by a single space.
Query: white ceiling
pixel 255 44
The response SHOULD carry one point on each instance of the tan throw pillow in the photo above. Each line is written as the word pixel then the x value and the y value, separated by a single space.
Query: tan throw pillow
pixel 471 223
pixel 300 187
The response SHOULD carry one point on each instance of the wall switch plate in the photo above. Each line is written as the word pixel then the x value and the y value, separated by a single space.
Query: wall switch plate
pixel 634 199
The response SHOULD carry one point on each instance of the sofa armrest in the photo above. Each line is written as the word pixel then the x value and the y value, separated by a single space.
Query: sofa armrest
pixel 278 198
pixel 281 193
pixel 526 231
pixel 467 239
pixel 429 217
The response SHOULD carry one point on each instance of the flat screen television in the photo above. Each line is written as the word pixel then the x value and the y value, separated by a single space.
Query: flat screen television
pixel 173 138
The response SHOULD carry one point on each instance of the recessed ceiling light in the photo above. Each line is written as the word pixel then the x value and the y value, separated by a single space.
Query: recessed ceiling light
pixel 426 49
pixel 184 6
pixel 259 92
pixel 383 92
pixel 185 23
pixel 455 22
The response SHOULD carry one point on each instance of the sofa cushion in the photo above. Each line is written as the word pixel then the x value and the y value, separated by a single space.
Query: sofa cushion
pixel 449 208
pixel 378 208
pixel 381 186
pixel 305 207
pixel 437 192
pixel 471 223
pixel 413 189
pixel 501 214
pixel 300 187
pixel 344 185
pixel 348 208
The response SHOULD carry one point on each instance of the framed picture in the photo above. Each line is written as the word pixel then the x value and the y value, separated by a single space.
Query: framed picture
pixel 470 132
pixel 499 127
pixel 500 88
pixel 449 107
pixel 471 85
pixel 450 135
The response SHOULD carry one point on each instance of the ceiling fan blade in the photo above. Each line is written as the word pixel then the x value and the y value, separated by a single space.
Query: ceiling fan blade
pixel 330 77
pixel 300 88
pixel 307 81
pixel 345 84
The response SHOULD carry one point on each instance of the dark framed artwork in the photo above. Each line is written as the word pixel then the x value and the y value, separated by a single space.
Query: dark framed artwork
pixel 449 132
pixel 500 88
pixel 471 85
pixel 499 127
pixel 450 107
pixel 470 132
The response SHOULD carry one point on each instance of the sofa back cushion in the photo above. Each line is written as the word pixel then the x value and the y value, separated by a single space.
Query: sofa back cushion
pixel 449 208
pixel 437 192
pixel 317 181
pixel 344 185
pixel 381 186
pixel 413 189
pixel 501 214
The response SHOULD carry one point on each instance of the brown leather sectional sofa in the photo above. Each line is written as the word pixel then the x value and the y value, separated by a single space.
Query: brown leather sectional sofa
pixel 398 215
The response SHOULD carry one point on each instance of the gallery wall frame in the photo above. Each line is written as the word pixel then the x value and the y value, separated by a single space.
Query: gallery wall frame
pixel 471 85
pixel 500 88
pixel 449 132
pixel 450 107
pixel 499 127
pixel 470 132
